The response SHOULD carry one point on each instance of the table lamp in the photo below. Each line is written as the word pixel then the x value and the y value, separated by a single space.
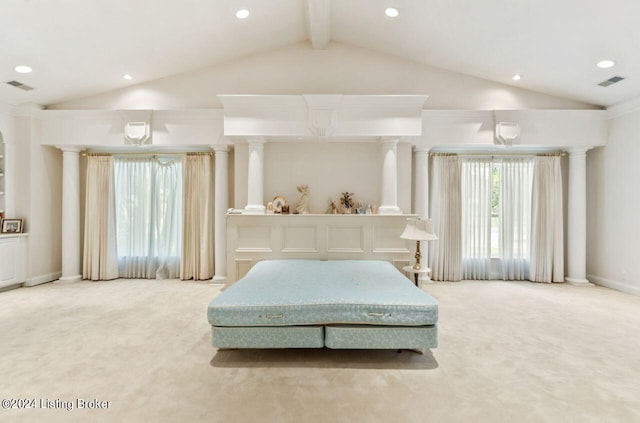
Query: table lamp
pixel 419 230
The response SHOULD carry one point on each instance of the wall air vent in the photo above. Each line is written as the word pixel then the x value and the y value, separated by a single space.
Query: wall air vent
pixel 20 85
pixel 611 81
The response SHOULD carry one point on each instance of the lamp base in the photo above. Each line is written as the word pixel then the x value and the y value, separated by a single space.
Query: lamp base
pixel 417 265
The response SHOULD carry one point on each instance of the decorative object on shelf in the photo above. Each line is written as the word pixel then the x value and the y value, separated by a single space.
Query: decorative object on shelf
pixel 279 202
pixel 302 207
pixel 285 209
pixel 11 226
pixel 270 207
pixel 333 208
pixel 419 230
pixel 347 202
pixel 359 209
pixel 369 209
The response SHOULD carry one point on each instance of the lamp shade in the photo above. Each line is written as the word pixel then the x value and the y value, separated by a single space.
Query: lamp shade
pixel 419 230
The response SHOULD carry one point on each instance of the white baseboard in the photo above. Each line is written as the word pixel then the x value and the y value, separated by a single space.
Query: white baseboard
pixel 39 280
pixel 618 286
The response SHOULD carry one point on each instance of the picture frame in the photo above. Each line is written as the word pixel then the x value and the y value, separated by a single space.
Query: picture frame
pixel 11 226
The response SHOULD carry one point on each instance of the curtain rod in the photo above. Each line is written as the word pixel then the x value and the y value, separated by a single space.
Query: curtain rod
pixel 499 154
pixel 195 153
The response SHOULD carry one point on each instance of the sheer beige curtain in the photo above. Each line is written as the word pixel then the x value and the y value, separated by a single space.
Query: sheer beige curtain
pixel 445 255
pixel 100 258
pixel 197 214
pixel 547 229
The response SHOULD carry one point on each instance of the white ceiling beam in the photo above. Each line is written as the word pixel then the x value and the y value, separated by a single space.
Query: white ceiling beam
pixel 319 22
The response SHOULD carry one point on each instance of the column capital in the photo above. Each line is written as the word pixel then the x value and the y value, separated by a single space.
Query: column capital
pixel 420 150
pixel 69 148
pixel 578 151
pixel 220 148
pixel 389 141
pixel 256 141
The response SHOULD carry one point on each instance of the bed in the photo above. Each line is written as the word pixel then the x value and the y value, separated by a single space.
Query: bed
pixel 342 304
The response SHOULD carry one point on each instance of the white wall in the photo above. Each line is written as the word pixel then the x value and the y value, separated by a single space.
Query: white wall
pixel 6 137
pixel 38 192
pixel 329 168
pixel 613 197
pixel 340 69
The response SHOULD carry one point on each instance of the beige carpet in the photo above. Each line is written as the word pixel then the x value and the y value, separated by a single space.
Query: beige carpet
pixel 509 352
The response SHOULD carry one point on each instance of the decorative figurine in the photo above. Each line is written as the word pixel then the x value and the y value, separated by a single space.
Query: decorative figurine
pixel 270 207
pixel 302 207
pixel 333 208
pixel 347 201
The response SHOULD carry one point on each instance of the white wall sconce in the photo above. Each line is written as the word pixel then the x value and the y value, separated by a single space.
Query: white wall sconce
pixel 507 133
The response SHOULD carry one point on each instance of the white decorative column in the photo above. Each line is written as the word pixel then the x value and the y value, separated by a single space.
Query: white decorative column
pixel 389 198
pixel 577 218
pixel 221 206
pixel 421 190
pixel 255 182
pixel 71 268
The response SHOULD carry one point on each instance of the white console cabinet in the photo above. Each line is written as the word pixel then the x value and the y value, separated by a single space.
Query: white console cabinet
pixel 13 252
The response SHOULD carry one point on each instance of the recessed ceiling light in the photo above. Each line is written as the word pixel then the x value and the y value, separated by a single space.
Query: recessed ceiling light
pixel 127 77
pixel 242 14
pixel 23 69
pixel 606 64
pixel 516 77
pixel 391 12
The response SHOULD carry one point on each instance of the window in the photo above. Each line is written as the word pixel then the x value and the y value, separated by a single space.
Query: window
pixel 148 201
pixel 496 213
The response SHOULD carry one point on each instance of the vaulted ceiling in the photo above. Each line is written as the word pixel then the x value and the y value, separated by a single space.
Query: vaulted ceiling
pixel 79 48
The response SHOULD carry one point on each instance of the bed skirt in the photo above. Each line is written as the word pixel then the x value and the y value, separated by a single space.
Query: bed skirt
pixel 332 336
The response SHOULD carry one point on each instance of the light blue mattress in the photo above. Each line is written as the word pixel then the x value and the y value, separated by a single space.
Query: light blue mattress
pixel 311 292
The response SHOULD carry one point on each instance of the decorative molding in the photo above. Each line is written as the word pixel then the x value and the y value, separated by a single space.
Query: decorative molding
pixel 294 239
pixel 105 128
pixel 137 126
pixel 338 234
pixel 577 282
pixel 221 148
pixel 322 115
pixel 254 239
pixel 538 128
pixel 507 133
pixel 137 133
pixel 319 22
pixel 617 285
pixel 387 239
pixel 69 148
